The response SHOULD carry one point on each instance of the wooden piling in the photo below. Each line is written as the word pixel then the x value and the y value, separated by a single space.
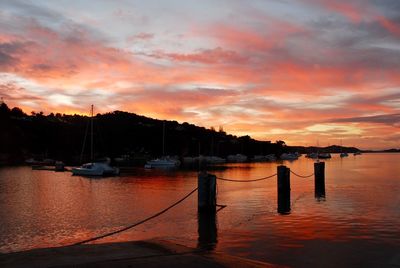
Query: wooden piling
pixel 319 181
pixel 283 185
pixel 207 230
pixel 207 192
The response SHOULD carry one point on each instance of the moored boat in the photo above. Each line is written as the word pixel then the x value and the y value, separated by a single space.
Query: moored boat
pixel 289 156
pixel 324 155
pixel 163 162
pixel 312 155
pixel 238 158
pixel 95 169
pixel 214 160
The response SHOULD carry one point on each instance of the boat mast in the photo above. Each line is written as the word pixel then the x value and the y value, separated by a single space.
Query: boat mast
pixel 91 134
pixel 341 146
pixel 163 139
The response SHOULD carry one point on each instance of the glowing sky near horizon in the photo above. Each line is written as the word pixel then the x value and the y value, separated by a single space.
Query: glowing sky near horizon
pixel 305 71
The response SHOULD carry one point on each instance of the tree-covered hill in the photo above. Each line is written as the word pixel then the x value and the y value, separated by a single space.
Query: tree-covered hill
pixel 61 137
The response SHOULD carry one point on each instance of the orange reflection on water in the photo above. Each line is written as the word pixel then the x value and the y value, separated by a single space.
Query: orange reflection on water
pixel 42 209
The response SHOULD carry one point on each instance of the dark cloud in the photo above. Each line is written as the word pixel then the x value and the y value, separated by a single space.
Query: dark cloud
pixel 378 99
pixel 9 52
pixel 388 119
pixel 26 8
pixel 12 47
pixel 390 6
pixel 204 56
pixel 11 91
pixel 6 61
pixel 366 45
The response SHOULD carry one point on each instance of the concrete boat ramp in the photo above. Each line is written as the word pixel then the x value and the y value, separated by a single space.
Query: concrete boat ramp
pixel 151 253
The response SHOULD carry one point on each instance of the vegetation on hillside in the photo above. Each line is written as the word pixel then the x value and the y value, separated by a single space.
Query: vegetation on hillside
pixel 61 137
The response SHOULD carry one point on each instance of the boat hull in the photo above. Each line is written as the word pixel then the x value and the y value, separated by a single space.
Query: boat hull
pixel 95 169
pixel 162 163
pixel 86 172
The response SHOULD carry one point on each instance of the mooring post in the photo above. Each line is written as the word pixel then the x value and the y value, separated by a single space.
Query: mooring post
pixel 207 192
pixel 283 185
pixel 207 230
pixel 319 181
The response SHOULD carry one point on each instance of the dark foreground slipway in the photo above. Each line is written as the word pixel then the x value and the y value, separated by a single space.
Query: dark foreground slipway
pixel 151 253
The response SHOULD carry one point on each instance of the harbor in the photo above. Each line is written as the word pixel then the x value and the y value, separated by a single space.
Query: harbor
pixel 200 133
pixel 345 220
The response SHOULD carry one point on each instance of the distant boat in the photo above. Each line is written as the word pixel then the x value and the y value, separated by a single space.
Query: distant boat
pixel 214 159
pixel 289 156
pixel 264 158
pixel 324 155
pixel 357 153
pixel 319 155
pixel 312 155
pixel 164 161
pixel 59 166
pixel 189 160
pixel 259 158
pixel 342 154
pixel 95 168
pixel 45 162
pixel 237 158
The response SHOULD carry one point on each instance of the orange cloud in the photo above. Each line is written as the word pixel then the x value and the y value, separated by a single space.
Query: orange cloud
pixel 270 35
pixel 267 77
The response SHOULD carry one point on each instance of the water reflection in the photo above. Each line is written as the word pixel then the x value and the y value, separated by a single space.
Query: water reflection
pixel 319 181
pixel 207 230
pixel 359 222
pixel 283 182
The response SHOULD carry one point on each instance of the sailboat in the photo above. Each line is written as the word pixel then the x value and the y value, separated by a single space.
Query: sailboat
pixel 95 168
pixel 164 161
pixel 342 154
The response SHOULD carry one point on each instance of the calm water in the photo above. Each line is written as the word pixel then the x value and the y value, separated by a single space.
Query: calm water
pixel 358 225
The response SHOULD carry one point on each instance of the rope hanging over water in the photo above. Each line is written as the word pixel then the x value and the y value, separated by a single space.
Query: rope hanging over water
pixel 301 176
pixel 264 178
pixel 135 224
pixel 171 206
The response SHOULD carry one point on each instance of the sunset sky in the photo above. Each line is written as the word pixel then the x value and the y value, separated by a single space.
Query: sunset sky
pixel 305 71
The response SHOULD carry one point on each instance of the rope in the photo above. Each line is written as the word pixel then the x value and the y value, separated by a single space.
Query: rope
pixel 301 175
pixel 264 178
pixel 221 207
pixel 135 224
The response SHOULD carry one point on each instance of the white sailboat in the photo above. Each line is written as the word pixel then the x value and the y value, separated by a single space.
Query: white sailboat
pixel 164 161
pixel 289 156
pixel 342 154
pixel 236 158
pixel 95 168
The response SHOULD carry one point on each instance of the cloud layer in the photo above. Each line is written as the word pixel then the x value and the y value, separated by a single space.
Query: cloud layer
pixel 302 71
